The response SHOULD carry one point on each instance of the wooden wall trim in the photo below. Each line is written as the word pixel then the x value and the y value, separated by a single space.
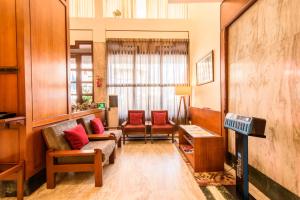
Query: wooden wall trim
pixel 50 120
pixel 206 118
pixel 79 114
pixel 230 11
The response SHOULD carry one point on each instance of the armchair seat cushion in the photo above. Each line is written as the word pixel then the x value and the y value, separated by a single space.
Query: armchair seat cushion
pixel 136 118
pixel 134 128
pixel 106 146
pixel 162 128
pixel 159 118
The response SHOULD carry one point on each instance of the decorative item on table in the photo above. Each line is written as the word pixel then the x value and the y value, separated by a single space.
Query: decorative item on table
pixel 205 69
pixel 84 106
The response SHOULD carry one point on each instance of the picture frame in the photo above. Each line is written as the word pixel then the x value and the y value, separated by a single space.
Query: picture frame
pixel 205 69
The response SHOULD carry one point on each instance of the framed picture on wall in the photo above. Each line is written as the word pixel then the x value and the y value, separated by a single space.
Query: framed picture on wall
pixel 205 69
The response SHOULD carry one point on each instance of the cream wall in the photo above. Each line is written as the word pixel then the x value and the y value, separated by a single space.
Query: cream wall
pixel 202 28
pixel 205 36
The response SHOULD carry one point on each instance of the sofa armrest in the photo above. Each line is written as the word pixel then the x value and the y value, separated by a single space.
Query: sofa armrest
pixel 171 122
pixel 112 127
pixel 72 153
pixel 94 137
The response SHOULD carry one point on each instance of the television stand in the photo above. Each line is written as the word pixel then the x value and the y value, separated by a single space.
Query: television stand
pixel 203 149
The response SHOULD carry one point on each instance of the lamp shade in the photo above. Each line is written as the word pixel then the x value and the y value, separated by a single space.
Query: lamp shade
pixel 183 90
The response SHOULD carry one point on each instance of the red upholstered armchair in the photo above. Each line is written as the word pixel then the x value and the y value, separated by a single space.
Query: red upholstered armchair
pixel 161 124
pixel 135 124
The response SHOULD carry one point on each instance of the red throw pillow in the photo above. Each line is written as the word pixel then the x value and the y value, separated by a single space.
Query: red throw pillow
pixel 160 118
pixel 76 137
pixel 97 126
pixel 136 118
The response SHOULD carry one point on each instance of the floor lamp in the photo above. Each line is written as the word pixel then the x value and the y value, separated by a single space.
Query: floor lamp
pixel 182 91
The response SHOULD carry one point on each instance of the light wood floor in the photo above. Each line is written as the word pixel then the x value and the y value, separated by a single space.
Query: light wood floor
pixel 141 172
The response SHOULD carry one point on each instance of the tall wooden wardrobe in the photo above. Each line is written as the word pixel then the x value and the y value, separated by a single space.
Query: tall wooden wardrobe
pixel 33 76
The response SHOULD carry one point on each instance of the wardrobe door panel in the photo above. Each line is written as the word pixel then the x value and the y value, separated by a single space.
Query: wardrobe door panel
pixel 49 59
pixel 8 93
pixel 8 56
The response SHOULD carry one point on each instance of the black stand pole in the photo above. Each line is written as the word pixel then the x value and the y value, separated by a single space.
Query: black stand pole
pixel 242 185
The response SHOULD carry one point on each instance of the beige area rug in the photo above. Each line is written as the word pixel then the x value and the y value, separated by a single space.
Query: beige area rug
pixel 226 177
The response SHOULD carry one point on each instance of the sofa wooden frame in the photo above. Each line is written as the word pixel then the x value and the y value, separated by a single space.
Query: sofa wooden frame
pixel 52 168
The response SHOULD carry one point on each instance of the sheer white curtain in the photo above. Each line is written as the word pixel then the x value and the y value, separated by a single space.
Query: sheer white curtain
pixel 82 8
pixel 144 73
pixel 150 9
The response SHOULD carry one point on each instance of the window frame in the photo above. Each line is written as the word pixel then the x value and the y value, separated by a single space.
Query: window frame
pixel 78 57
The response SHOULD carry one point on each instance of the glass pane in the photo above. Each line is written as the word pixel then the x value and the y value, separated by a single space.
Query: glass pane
pixel 73 99
pixel 85 46
pixel 87 88
pixel 88 99
pixel 73 63
pixel 73 76
pixel 147 69
pixel 120 68
pixel 86 76
pixel 86 62
pixel 73 88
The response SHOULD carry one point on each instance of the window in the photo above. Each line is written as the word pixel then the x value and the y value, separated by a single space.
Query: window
pixel 82 8
pixel 145 9
pixel 144 73
pixel 81 75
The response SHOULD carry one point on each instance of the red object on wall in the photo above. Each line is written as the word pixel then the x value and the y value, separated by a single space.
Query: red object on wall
pixel 99 82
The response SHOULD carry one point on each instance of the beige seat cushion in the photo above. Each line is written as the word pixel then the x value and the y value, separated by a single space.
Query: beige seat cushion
pixel 107 147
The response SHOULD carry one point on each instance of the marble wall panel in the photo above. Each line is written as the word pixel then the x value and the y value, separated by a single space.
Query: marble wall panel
pixel 264 81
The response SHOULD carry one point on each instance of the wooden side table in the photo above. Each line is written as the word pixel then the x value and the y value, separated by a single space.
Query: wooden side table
pixel 203 149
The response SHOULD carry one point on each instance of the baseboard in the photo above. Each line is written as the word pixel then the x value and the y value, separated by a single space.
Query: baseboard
pixel 9 188
pixel 263 183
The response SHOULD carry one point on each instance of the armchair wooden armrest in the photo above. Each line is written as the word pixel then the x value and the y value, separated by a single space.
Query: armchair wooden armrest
pixel 94 137
pixel 171 122
pixel 124 123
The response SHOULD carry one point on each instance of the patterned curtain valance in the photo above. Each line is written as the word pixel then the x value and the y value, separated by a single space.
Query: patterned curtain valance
pixel 147 46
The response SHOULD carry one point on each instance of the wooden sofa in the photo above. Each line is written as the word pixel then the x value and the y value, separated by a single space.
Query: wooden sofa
pixel 60 157
pixel 85 121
